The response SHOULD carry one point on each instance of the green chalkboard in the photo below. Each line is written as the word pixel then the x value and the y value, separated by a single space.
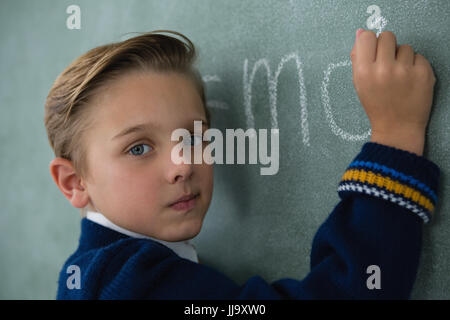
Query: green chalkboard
pixel 266 64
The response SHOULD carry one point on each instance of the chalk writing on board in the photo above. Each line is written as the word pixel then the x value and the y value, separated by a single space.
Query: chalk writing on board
pixel 375 21
pixel 214 103
pixel 272 81
pixel 272 88
pixel 326 105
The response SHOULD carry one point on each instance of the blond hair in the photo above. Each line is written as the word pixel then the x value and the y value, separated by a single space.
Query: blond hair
pixel 69 100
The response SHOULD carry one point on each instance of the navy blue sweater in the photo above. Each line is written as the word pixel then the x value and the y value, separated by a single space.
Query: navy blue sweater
pixel 386 196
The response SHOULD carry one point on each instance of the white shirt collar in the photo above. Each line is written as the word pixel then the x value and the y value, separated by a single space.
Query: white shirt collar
pixel 184 249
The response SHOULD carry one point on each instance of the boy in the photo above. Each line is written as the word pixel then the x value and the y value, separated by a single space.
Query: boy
pixel 109 118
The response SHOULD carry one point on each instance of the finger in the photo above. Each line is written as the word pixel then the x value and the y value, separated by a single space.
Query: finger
pixel 365 48
pixel 405 54
pixel 358 32
pixel 423 64
pixel 423 67
pixel 386 47
pixel 421 60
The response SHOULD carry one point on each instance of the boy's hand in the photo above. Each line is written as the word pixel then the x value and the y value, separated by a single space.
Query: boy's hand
pixel 395 87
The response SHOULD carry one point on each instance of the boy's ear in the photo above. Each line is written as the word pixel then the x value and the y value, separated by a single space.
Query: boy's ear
pixel 65 177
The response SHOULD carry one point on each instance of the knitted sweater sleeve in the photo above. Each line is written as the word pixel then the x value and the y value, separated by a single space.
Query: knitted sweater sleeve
pixel 368 247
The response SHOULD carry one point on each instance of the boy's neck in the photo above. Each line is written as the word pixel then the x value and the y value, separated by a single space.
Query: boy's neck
pixel 182 248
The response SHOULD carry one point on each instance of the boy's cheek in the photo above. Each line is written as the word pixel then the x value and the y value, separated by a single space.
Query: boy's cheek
pixel 207 180
pixel 210 175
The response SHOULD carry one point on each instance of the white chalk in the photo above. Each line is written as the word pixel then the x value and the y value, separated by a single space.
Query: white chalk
pixel 326 105
pixel 272 82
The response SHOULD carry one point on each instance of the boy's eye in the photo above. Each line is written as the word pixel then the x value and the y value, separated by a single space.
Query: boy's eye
pixel 139 149
pixel 142 148
pixel 195 141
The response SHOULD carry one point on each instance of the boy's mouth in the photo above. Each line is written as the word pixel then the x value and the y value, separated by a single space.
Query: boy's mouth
pixel 185 202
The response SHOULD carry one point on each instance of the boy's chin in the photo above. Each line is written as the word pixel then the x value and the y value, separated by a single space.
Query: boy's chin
pixel 187 233
pixel 190 234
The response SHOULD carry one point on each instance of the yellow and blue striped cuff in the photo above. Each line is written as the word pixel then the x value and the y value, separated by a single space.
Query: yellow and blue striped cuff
pixel 395 175
pixel 375 184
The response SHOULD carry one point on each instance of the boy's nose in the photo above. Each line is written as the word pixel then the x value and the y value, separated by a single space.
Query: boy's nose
pixel 178 172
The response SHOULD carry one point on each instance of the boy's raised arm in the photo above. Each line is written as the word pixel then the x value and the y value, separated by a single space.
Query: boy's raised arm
pixel 369 247
pixel 395 87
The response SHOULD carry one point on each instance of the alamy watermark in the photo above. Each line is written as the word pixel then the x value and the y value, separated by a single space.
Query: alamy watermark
pixel 213 152
pixel 74 280
pixel 374 280
pixel 73 21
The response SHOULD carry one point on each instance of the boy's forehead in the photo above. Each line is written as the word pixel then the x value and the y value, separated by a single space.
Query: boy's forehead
pixel 127 105
pixel 152 126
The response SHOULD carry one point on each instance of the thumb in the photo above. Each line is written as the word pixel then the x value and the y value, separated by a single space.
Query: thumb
pixel 358 33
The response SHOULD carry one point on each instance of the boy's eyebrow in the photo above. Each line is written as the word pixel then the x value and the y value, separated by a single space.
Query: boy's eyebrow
pixel 144 126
